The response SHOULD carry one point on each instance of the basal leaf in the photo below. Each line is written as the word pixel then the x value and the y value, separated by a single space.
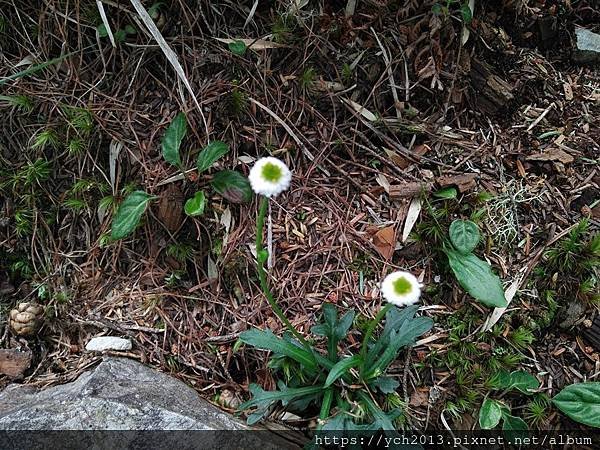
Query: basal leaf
pixel 514 427
pixel 476 277
pixel 210 154
pixel 464 235
pixel 266 340
pixel 172 139
pixel 581 402
pixel 490 414
pixel 341 367
pixel 342 327
pixel 233 186
pixel 129 213
pixel 195 206
pixel 263 399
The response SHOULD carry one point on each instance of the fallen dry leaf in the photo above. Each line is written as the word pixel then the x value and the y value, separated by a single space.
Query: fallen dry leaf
pixel 360 109
pixel 411 217
pixel 253 44
pixel 170 208
pixel 385 241
pixel 420 397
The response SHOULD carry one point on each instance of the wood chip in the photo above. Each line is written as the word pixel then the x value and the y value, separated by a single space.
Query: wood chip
pixel 14 363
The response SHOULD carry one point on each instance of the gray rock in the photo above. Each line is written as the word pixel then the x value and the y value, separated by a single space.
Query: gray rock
pixel 122 394
pixel 587 49
pixel 573 314
pixel 101 343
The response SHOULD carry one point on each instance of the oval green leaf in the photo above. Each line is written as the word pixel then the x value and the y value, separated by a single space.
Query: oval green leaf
pixel 129 213
pixel 210 154
pixel 233 186
pixel 476 277
pixel 446 193
pixel 172 139
pixel 514 427
pixel 341 367
pixel 237 47
pixel 464 235
pixel 490 414
pixel 195 206
pixel 581 402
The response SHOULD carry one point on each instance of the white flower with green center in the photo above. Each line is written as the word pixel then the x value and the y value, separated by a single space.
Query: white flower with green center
pixel 401 288
pixel 269 177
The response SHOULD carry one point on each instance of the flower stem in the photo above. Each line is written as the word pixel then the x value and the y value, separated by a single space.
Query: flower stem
pixel 262 274
pixel 369 333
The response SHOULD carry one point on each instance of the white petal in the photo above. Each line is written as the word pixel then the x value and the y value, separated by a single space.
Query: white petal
pixel 390 294
pixel 262 186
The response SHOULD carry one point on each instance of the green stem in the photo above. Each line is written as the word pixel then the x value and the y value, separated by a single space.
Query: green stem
pixel 261 257
pixel 363 349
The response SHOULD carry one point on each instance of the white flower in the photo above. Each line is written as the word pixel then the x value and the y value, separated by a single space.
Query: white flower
pixel 269 177
pixel 401 288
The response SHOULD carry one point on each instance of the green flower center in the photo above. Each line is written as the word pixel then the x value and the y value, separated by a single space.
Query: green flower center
pixel 402 286
pixel 271 172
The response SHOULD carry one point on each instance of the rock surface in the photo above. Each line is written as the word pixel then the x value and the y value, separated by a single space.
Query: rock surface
pixel 122 394
pixel 101 343
pixel 587 49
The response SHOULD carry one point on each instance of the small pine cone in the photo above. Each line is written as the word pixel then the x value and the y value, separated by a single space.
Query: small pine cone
pixel 26 318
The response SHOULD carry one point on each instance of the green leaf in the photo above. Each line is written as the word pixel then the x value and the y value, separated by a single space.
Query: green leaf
pixel 446 193
pixel 342 327
pixel 210 154
pixel 406 335
pixel 464 235
pixel 172 139
pixel 237 47
pixel 514 427
pixel 467 14
pixel 195 206
pixel 490 414
pixel 129 214
pixel 476 277
pixel 520 380
pixel 581 402
pixel 233 186
pixel 341 367
pixel 102 32
pixel 266 340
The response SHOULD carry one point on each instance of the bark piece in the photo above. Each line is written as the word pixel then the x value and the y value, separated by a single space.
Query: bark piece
pixel 552 154
pixel 464 182
pixel 14 363
pixel 409 189
pixel 494 93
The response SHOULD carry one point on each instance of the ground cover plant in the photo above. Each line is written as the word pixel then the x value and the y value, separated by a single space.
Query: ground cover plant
pixel 231 186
